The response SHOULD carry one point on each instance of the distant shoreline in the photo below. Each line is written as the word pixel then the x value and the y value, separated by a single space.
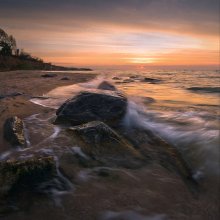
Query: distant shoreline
pixel 11 63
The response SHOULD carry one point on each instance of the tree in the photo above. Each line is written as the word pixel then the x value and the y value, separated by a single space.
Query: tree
pixel 7 43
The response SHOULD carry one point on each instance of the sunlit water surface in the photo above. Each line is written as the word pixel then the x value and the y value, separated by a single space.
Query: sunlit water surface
pixel 188 119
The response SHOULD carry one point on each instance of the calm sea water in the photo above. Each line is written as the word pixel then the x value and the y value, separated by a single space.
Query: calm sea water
pixel 181 106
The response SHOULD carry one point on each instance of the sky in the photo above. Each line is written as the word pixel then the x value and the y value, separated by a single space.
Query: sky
pixel 115 32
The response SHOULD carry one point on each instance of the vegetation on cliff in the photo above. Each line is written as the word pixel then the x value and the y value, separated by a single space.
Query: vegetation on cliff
pixel 13 58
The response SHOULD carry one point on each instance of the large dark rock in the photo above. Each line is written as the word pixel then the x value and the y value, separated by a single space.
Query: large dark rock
pixel 25 174
pixel 14 131
pixel 108 106
pixel 157 150
pixel 103 144
pixel 105 85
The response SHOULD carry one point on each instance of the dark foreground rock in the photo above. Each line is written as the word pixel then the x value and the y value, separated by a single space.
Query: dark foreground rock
pixel 108 106
pixel 103 144
pixel 105 85
pixel 26 174
pixel 49 75
pixel 159 151
pixel 14 131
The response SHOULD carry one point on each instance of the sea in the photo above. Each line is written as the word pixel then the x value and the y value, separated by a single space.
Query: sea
pixel 181 106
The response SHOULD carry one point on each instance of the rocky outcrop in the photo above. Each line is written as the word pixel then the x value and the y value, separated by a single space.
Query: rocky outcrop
pixel 103 144
pixel 14 131
pixel 105 85
pixel 155 149
pixel 108 106
pixel 25 174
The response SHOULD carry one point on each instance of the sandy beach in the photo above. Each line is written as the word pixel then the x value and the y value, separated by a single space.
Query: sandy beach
pixel 29 84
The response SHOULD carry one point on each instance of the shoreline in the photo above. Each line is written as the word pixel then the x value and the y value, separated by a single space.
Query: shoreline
pixel 152 190
pixel 30 83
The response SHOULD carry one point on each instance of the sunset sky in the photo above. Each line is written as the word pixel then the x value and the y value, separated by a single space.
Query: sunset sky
pixel 115 32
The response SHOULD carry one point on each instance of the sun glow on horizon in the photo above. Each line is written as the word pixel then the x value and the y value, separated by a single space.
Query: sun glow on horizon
pixel 142 60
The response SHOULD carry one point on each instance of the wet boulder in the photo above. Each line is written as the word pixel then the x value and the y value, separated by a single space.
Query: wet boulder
pixel 107 106
pixel 103 144
pixel 105 85
pixel 18 175
pixel 14 131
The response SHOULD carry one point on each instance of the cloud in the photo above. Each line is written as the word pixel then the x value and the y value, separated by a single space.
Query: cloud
pixel 112 30
pixel 201 17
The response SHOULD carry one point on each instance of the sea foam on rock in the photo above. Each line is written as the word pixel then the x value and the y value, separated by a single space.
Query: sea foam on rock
pixel 106 106
pixel 103 144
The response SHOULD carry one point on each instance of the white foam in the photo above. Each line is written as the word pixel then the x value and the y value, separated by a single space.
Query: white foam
pixel 130 215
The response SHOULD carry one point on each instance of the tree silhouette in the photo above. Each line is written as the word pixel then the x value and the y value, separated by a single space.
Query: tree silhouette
pixel 7 43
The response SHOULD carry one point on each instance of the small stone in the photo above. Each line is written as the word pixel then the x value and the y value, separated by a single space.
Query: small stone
pixel 14 131
pixel 49 75
pixel 65 78
pixel 105 85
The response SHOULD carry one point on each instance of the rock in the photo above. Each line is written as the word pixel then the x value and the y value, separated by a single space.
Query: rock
pixel 151 80
pixel 108 106
pixel 134 77
pixel 128 81
pixel 157 150
pixel 11 95
pixel 102 143
pixel 65 78
pixel 106 86
pixel 14 131
pixel 25 174
pixel 116 78
pixel 205 89
pixel 49 75
pixel 40 97
pixel 148 100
